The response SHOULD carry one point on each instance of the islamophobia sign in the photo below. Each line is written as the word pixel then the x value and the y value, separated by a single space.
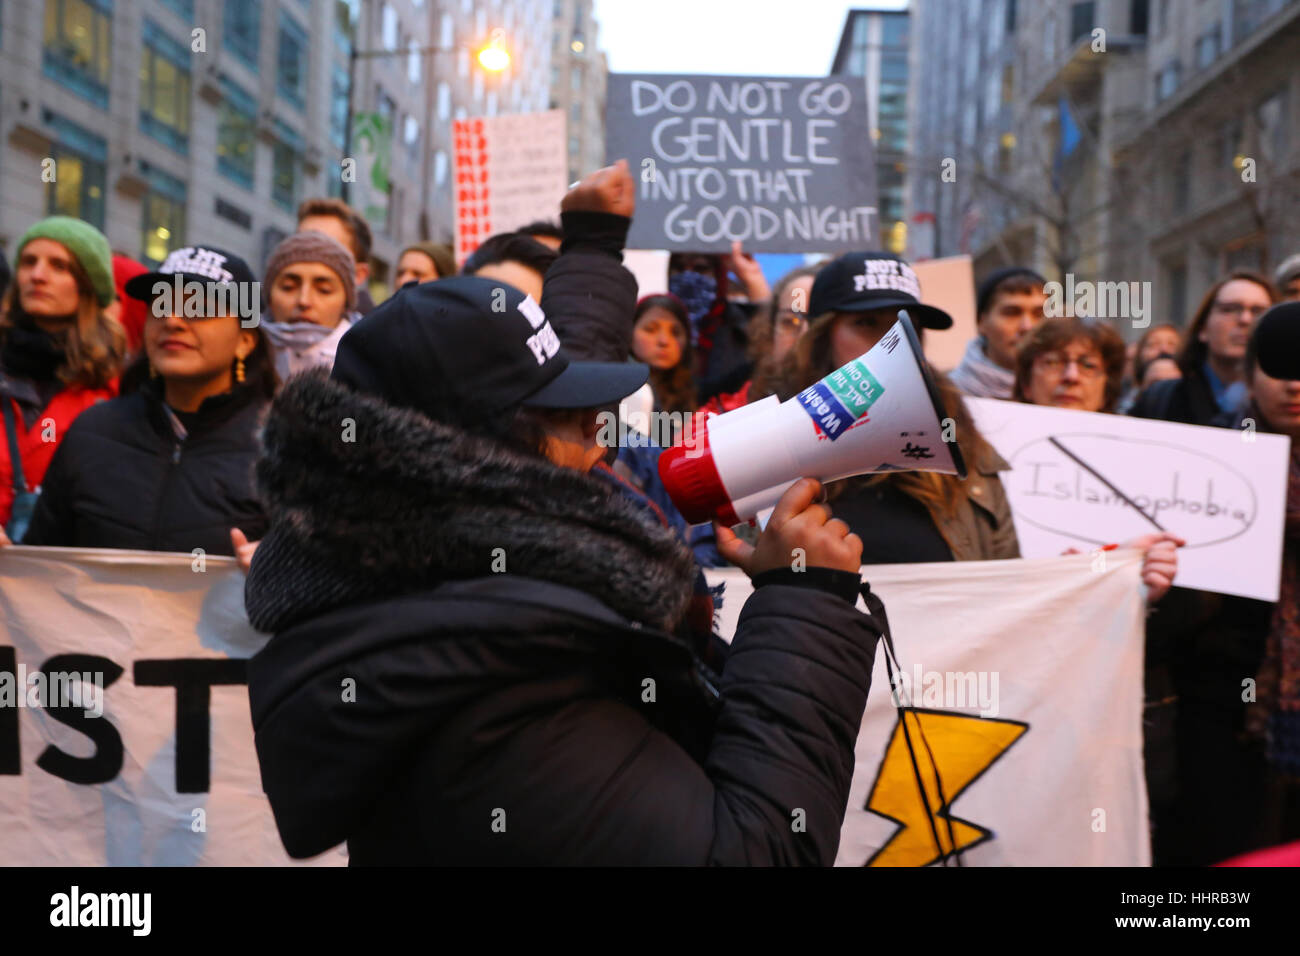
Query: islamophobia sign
pixel 783 164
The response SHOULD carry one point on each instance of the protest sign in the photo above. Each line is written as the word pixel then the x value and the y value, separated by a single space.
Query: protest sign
pixel 948 284
pixel 150 761
pixel 1031 715
pixel 1085 480
pixel 783 164
pixel 510 171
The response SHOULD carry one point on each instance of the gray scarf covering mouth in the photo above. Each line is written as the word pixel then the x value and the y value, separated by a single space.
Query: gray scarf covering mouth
pixel 980 376
pixel 368 500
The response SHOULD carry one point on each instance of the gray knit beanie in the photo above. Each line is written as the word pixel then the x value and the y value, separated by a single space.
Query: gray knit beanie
pixel 314 247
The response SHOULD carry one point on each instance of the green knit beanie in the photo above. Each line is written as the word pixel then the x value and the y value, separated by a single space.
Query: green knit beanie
pixel 86 243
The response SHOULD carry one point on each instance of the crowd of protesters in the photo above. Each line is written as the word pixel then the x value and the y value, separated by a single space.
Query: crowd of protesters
pixel 133 421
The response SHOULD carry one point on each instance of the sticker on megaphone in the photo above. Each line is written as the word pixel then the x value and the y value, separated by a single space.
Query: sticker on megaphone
pixel 879 412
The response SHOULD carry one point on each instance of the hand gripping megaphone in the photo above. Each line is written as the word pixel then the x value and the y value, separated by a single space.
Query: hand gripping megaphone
pixel 880 412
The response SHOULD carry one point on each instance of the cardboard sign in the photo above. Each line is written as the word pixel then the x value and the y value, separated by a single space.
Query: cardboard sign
pixel 948 284
pixel 783 164
pixel 1085 480
pixel 510 171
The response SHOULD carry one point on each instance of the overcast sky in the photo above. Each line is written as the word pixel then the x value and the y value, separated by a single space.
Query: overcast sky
pixel 756 37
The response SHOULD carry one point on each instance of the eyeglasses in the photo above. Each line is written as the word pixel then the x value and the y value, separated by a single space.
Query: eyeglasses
pixel 1235 309
pixel 1054 363
pixel 791 323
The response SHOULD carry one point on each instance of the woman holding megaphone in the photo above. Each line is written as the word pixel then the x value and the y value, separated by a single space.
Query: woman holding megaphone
pixel 478 653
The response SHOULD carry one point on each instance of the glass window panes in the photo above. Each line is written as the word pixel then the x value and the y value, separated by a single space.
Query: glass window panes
pixel 339 105
pixel 291 62
pixel 236 129
pixel 163 227
pixel 388 27
pixel 165 88
pixel 76 51
pixel 241 28
pixel 283 176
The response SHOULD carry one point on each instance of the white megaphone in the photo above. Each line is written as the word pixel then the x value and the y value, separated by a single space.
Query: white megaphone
pixel 880 412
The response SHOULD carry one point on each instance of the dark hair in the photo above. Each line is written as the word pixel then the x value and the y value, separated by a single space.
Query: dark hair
pixel 4 272
pixel 510 247
pixel 1014 281
pixel 259 369
pixel 357 226
pixel 674 388
pixel 1052 334
pixel 1194 352
pixel 1140 368
pixel 542 227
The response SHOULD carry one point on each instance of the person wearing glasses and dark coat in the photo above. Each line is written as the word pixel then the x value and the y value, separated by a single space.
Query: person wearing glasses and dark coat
pixel 1213 382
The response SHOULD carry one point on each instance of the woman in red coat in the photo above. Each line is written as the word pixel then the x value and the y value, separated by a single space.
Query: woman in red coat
pixel 59 352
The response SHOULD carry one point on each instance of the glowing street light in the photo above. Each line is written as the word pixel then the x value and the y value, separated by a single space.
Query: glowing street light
pixel 494 57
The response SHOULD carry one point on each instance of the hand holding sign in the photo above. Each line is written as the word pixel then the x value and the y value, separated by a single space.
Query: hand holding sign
pixel 609 189
pixel 747 269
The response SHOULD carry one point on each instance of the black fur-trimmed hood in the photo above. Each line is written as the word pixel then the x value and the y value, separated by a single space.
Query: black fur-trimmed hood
pixel 368 500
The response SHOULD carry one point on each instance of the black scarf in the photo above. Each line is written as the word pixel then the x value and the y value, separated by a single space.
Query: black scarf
pixel 31 352
pixel 395 502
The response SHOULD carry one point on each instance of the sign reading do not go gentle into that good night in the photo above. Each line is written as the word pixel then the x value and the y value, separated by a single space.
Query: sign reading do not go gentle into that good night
pixel 783 164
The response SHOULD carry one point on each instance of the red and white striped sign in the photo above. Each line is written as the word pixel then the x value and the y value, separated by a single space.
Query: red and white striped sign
pixel 510 170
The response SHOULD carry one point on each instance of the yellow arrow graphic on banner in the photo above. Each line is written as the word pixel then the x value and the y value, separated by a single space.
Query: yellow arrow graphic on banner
pixel 962 747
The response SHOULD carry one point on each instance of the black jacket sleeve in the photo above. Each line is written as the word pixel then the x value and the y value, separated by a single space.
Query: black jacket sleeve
pixel 773 785
pixel 588 294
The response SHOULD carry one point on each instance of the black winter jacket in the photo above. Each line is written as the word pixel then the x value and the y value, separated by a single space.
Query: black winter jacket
pixel 428 710
pixel 1189 400
pixel 122 478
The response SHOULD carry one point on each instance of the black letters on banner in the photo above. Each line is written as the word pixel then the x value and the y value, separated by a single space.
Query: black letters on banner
pixel 193 680
pixel 106 762
pixel 10 747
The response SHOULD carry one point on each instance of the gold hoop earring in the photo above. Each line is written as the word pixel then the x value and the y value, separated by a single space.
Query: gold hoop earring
pixel 239 370
pixel 153 372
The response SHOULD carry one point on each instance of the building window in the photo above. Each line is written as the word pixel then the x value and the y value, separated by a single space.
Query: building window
pixel 1011 16
pixel 291 62
pixel 1182 182
pixel 236 129
pixel 163 226
pixel 165 89
pixel 1270 123
pixel 80 163
pixel 575 114
pixel 446 32
pixel 283 176
pixel 577 79
pixel 492 103
pixel 440 168
pixel 241 27
pixel 182 8
pixel 444 102
pixel 339 106
pixel 413 56
pixel 345 25
pixel 388 27
pixel 1083 17
pixel 1207 48
pixel 1178 293
pixel 411 137
pixel 1137 17
pixel 77 38
pixel 1167 82
pixel 462 64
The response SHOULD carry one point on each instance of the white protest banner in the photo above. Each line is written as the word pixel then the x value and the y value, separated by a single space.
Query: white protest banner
pixel 1025 679
pixel 510 171
pixel 1085 480
pixel 150 760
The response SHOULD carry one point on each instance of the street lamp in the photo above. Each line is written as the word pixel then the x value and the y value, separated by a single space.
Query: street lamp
pixel 494 57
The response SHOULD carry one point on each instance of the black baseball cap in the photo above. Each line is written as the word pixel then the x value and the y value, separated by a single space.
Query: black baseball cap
pixel 862 281
pixel 465 348
pixel 1277 341
pixel 198 263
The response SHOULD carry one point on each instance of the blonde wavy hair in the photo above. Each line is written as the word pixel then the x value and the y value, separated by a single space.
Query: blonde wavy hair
pixel 95 344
